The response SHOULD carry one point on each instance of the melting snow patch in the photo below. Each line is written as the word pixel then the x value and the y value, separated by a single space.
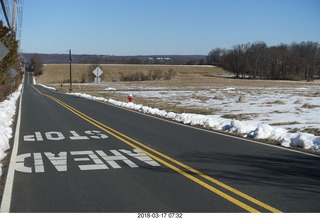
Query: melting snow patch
pixel 50 88
pixel 110 89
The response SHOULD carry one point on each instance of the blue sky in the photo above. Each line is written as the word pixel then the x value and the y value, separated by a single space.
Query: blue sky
pixel 164 27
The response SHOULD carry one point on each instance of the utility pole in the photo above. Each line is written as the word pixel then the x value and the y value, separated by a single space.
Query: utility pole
pixel 14 12
pixel 70 60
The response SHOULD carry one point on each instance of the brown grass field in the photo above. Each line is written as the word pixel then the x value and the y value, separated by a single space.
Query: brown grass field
pixel 56 73
pixel 186 77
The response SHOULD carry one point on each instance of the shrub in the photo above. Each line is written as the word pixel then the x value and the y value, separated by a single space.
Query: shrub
pixel 152 75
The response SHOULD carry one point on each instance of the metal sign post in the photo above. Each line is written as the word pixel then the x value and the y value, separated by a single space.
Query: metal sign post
pixel 97 80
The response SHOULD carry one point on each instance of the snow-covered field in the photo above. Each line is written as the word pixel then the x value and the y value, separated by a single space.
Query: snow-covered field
pixel 291 108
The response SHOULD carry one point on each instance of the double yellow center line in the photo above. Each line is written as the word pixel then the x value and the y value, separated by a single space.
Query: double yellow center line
pixel 188 172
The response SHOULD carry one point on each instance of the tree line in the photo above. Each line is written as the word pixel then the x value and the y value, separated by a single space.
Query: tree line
pixel 295 61
pixel 111 59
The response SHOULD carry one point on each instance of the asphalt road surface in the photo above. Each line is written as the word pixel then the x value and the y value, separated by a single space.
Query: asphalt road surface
pixel 79 155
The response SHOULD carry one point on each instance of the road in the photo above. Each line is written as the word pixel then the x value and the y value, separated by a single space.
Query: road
pixel 79 155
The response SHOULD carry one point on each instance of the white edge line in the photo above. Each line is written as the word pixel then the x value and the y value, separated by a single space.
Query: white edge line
pixel 6 198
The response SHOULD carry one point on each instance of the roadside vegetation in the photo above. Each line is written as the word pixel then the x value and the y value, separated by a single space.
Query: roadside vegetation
pixel 10 63
pixel 152 75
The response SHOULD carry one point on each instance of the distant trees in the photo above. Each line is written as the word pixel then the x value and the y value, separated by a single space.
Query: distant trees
pixel 110 59
pixel 36 65
pixel 297 61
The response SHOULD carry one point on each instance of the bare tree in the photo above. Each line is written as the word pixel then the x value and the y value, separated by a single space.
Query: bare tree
pixel 215 56
pixel 256 61
pixel 36 65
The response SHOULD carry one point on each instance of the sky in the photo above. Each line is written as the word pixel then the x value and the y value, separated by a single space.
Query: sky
pixel 164 27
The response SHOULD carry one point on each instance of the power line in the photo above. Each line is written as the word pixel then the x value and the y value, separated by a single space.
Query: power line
pixel 3 5
pixel 7 6
pixel 13 9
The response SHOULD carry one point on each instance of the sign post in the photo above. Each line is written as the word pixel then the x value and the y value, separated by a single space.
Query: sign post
pixel 70 61
pixel 97 72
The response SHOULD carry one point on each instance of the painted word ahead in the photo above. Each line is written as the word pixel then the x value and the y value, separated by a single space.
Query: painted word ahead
pixel 85 160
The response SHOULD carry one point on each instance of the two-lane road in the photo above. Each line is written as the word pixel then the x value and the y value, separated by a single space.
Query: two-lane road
pixel 79 155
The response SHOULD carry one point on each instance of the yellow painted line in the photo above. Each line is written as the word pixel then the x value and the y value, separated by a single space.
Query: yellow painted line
pixel 123 138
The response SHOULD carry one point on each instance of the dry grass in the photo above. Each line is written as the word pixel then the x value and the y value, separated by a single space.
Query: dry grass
pixel 242 116
pixel 187 76
pixel 309 106
pixel 57 73
pixel 276 102
pixel 284 123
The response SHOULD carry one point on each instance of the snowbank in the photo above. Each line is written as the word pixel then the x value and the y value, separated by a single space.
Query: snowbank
pixel 7 111
pixel 50 88
pixel 248 129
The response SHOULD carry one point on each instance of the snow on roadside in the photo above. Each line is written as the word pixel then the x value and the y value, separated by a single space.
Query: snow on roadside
pixel 50 88
pixel 248 129
pixel 7 112
pixel 42 85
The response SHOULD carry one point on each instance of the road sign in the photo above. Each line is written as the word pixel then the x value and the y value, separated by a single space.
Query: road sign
pixel 97 72
pixel 13 72
pixel 3 51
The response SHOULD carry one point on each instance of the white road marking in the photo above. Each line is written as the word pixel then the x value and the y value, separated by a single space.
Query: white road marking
pixel 141 156
pixel 118 157
pixel 91 160
pixel 59 161
pixel 98 164
pixel 38 163
pixel 76 136
pixel 38 136
pixel 20 163
pixel 58 136
pixel 54 136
